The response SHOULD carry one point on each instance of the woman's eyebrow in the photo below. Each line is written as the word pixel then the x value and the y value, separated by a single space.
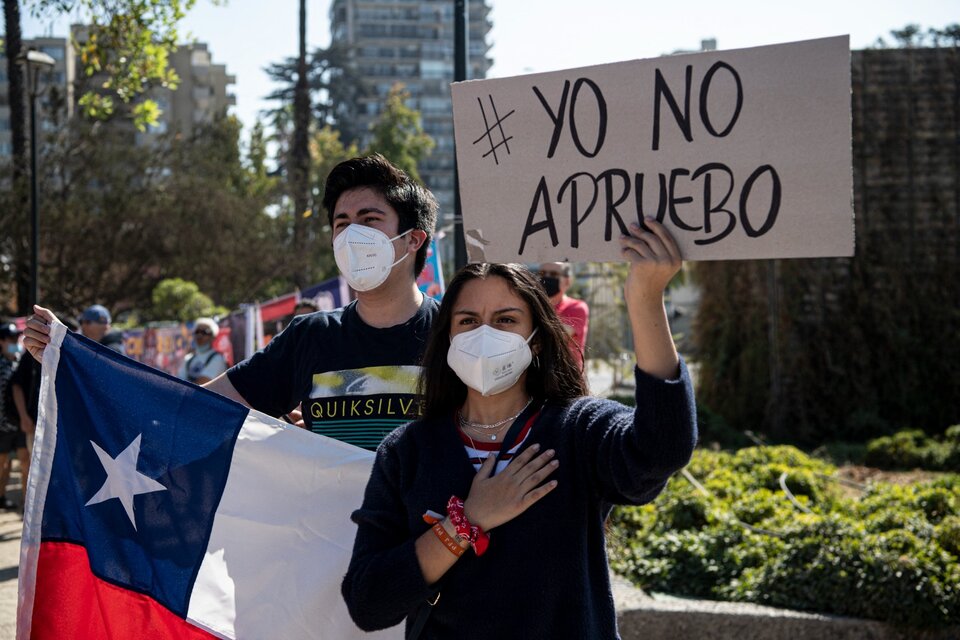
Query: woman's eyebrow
pixel 498 311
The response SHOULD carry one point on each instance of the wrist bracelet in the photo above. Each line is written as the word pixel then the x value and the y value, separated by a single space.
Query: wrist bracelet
pixel 452 545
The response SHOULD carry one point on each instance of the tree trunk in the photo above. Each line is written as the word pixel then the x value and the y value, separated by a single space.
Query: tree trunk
pixel 17 223
pixel 300 159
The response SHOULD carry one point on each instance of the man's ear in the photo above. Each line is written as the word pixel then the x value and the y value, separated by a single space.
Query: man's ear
pixel 417 237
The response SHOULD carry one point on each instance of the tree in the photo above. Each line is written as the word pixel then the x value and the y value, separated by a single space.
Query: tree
pixel 335 89
pixel 178 299
pixel 12 46
pixel 259 181
pixel 909 36
pixel 14 216
pixel 398 134
pixel 120 218
pixel 327 151
pixel 125 52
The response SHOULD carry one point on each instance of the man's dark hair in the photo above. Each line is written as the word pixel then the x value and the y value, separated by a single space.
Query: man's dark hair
pixel 414 204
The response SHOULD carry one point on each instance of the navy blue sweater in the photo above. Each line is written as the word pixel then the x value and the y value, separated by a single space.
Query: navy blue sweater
pixel 545 573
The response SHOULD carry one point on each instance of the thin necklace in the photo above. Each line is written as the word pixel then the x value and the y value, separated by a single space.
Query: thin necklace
pixel 486 429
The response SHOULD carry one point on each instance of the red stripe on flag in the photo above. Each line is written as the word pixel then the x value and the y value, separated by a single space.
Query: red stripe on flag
pixel 71 602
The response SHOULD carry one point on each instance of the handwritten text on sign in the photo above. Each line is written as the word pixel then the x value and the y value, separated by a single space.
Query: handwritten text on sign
pixel 742 154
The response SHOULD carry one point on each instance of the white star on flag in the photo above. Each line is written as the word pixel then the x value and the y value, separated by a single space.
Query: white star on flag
pixel 123 480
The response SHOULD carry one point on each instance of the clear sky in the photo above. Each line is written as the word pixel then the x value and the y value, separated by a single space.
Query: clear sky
pixel 546 35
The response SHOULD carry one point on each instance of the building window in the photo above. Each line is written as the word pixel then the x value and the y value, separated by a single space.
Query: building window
pixel 432 69
pixel 199 58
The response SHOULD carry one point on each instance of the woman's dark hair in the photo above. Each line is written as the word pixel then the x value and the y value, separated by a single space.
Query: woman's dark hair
pixel 414 204
pixel 552 376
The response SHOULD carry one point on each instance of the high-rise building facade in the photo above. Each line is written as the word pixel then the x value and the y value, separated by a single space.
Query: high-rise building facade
pixel 412 42
pixel 202 93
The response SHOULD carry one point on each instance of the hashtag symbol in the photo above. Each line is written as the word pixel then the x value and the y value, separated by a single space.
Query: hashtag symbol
pixel 490 127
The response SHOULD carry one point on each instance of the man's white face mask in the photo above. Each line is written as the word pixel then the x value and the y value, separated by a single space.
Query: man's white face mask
pixel 489 360
pixel 365 256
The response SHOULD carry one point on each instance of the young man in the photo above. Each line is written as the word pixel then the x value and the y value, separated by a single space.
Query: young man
pixel 575 314
pixel 354 370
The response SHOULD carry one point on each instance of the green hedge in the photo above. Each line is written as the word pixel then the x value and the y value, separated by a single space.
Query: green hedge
pixel 890 554
pixel 913 449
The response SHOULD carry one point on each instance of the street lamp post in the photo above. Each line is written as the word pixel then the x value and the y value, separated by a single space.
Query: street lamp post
pixel 461 57
pixel 33 62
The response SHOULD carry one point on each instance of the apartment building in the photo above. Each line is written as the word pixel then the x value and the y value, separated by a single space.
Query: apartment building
pixel 412 42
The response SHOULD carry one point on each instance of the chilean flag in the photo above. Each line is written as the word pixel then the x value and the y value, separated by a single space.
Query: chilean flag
pixel 157 509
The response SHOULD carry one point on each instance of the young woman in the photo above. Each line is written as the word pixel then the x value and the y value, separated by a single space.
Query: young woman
pixel 485 519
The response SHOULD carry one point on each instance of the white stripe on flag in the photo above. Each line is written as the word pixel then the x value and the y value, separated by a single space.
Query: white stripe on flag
pixel 41 466
pixel 282 537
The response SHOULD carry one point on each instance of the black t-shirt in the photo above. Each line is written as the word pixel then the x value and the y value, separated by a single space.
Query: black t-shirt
pixel 356 383
pixel 9 420
pixel 27 377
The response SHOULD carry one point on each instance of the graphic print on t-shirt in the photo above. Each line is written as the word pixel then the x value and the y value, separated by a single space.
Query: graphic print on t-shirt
pixel 361 406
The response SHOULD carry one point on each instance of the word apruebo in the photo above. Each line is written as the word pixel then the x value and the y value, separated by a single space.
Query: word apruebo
pixel 709 200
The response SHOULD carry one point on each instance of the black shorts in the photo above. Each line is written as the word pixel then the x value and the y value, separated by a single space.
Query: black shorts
pixel 12 440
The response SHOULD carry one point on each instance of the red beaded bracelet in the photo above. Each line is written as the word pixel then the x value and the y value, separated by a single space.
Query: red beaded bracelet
pixel 477 537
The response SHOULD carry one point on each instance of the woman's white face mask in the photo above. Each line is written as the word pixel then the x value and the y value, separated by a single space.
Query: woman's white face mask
pixel 365 256
pixel 489 360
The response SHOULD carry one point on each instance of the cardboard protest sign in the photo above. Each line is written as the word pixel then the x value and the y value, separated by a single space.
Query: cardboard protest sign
pixel 742 154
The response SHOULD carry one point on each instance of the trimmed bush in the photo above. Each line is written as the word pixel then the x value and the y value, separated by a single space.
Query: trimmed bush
pixel 891 555
pixel 913 449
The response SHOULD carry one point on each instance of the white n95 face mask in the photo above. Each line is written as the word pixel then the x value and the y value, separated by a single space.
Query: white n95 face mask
pixel 365 255
pixel 489 360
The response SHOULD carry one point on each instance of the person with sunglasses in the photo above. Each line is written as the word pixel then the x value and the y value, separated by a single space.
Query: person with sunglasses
pixel 203 363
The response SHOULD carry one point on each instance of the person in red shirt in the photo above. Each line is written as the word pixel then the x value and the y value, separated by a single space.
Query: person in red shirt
pixel 575 314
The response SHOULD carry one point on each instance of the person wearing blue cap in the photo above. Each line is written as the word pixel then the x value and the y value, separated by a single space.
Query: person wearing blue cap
pixel 95 324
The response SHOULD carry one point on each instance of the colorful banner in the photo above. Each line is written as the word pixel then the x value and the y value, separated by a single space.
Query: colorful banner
pixel 430 281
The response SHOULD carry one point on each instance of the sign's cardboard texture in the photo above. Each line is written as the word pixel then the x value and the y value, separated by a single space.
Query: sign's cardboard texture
pixel 742 154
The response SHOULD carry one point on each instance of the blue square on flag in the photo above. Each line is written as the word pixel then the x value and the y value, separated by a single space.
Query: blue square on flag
pixel 183 440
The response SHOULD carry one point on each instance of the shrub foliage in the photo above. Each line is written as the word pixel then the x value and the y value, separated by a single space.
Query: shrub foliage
pixel 912 449
pixel 890 554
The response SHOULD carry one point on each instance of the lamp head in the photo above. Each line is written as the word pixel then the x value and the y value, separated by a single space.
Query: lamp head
pixel 38 58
